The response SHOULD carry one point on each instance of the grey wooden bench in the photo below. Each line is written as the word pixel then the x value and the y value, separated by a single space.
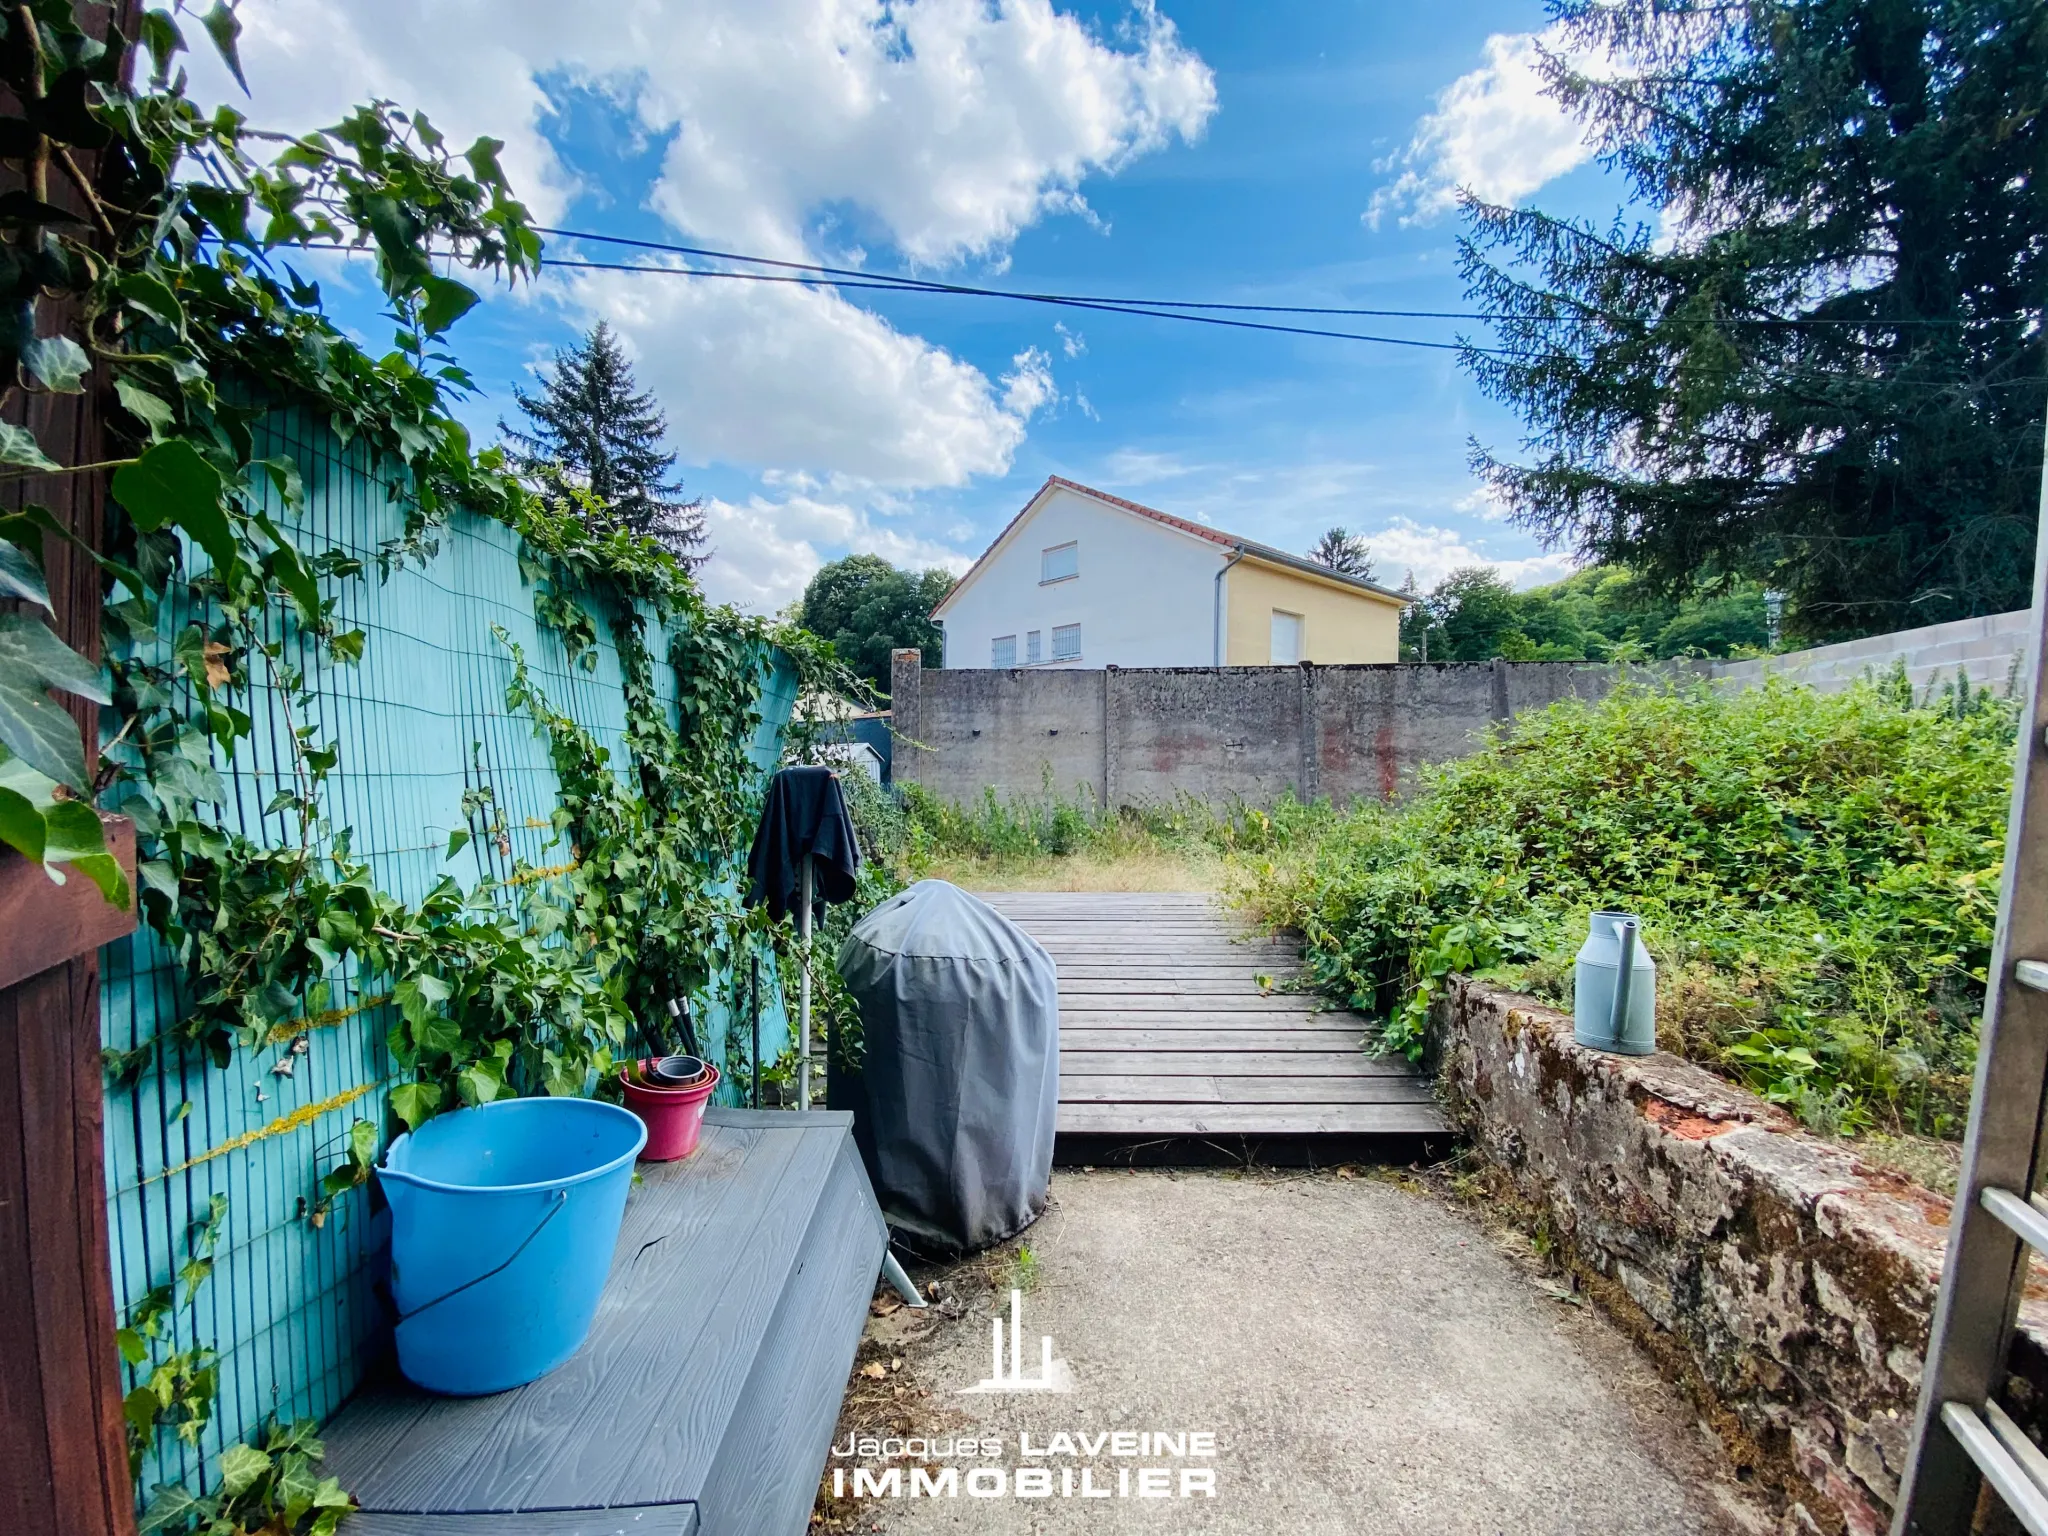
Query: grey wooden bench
pixel 702 1403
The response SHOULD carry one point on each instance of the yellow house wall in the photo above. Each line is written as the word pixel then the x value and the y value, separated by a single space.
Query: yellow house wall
pixel 1339 624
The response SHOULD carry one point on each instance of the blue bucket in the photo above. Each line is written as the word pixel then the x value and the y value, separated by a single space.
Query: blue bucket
pixel 503 1221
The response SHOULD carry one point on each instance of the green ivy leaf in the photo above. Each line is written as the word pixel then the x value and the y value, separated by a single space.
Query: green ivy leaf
pixel 414 1103
pixel 21 825
pixel 32 726
pixel 240 1466
pixel 144 406
pixel 21 577
pixel 225 30
pixel 57 363
pixel 292 573
pixel 75 836
pixel 160 35
pixel 446 301
pixel 153 296
pixel 437 1034
pixel 171 1505
pixel 457 841
pixel 18 447
pixel 362 1143
pixel 397 235
pixel 172 485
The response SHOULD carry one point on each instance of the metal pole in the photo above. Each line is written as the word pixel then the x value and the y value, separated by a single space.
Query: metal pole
pixel 754 1010
pixel 803 1059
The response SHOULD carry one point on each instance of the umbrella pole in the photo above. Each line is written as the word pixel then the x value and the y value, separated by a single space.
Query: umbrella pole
pixel 803 1059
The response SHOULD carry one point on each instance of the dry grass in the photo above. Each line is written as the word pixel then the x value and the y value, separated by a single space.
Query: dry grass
pixel 1139 869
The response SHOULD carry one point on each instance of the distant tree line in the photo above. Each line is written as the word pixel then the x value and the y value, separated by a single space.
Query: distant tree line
pixel 1604 613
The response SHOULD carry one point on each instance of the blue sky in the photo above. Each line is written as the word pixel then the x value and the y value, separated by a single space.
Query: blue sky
pixel 1291 152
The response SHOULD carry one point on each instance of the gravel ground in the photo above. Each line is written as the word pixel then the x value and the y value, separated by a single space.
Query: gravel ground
pixel 1368 1356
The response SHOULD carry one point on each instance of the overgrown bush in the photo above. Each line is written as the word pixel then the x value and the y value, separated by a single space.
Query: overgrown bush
pixel 1817 877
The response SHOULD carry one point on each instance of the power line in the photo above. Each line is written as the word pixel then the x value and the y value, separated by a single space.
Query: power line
pixel 933 285
pixel 859 278
pixel 1099 305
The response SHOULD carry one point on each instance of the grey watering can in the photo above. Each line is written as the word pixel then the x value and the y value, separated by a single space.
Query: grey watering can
pixel 1614 993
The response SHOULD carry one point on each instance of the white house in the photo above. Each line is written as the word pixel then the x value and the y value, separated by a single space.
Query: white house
pixel 1081 578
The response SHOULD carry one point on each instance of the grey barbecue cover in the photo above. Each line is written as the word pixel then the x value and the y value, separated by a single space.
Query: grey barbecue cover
pixel 956 1095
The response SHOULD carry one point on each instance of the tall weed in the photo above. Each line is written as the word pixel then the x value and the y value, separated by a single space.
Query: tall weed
pixel 1817 876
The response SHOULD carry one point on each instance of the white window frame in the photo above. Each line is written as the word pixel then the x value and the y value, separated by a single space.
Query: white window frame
pixel 1062 633
pixel 1047 576
pixel 995 652
pixel 1300 624
pixel 1034 647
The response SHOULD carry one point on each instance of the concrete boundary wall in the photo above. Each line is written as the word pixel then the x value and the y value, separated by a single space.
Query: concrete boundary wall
pixel 1146 735
pixel 1985 650
pixel 1143 735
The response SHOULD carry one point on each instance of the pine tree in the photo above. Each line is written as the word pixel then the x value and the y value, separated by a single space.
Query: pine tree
pixel 1343 551
pixel 588 422
pixel 1831 381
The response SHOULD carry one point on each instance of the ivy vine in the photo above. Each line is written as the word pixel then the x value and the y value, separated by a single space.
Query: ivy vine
pixel 171 298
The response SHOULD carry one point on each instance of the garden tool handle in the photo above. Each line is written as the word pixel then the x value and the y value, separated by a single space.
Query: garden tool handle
pixel 1624 979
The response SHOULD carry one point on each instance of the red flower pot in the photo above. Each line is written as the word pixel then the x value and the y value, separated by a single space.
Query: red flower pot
pixel 674 1116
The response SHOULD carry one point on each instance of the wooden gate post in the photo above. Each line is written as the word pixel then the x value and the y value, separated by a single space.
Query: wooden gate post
pixel 63 1451
pixel 63 1458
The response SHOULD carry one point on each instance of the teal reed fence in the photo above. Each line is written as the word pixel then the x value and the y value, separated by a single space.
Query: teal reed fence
pixel 290 1307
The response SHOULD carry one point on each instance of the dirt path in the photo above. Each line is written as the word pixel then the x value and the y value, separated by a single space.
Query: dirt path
pixel 1367 1358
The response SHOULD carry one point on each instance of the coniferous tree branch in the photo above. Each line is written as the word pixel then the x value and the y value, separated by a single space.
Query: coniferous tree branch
pixel 590 424
pixel 1825 371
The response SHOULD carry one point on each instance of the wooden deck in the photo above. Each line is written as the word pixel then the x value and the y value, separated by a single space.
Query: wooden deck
pixel 703 1400
pixel 1170 1025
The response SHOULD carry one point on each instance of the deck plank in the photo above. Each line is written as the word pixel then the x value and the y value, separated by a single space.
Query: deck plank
pixel 1347 1062
pixel 1191 1089
pixel 1170 1025
pixel 1251 1119
pixel 636 1520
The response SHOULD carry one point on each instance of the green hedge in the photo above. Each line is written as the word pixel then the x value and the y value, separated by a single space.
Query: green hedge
pixel 1817 876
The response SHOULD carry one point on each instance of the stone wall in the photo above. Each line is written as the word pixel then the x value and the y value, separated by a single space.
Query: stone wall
pixel 1791 1282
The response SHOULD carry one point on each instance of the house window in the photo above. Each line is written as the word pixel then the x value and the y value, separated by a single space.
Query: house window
pixel 1286 638
pixel 1066 642
pixel 1002 651
pixel 1060 563
pixel 1034 649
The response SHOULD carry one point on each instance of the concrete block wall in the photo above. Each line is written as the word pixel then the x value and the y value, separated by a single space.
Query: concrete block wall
pixel 1134 736
pixel 1986 650
pixel 1146 735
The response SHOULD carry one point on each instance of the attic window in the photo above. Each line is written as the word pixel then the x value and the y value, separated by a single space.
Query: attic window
pixel 1060 563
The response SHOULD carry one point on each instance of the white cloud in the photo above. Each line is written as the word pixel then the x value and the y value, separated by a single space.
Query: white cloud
pixel 947 125
pixel 1432 553
pixel 1073 343
pixel 764 552
pixel 1483 502
pixel 796 382
pixel 1493 133
pixel 1028 386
